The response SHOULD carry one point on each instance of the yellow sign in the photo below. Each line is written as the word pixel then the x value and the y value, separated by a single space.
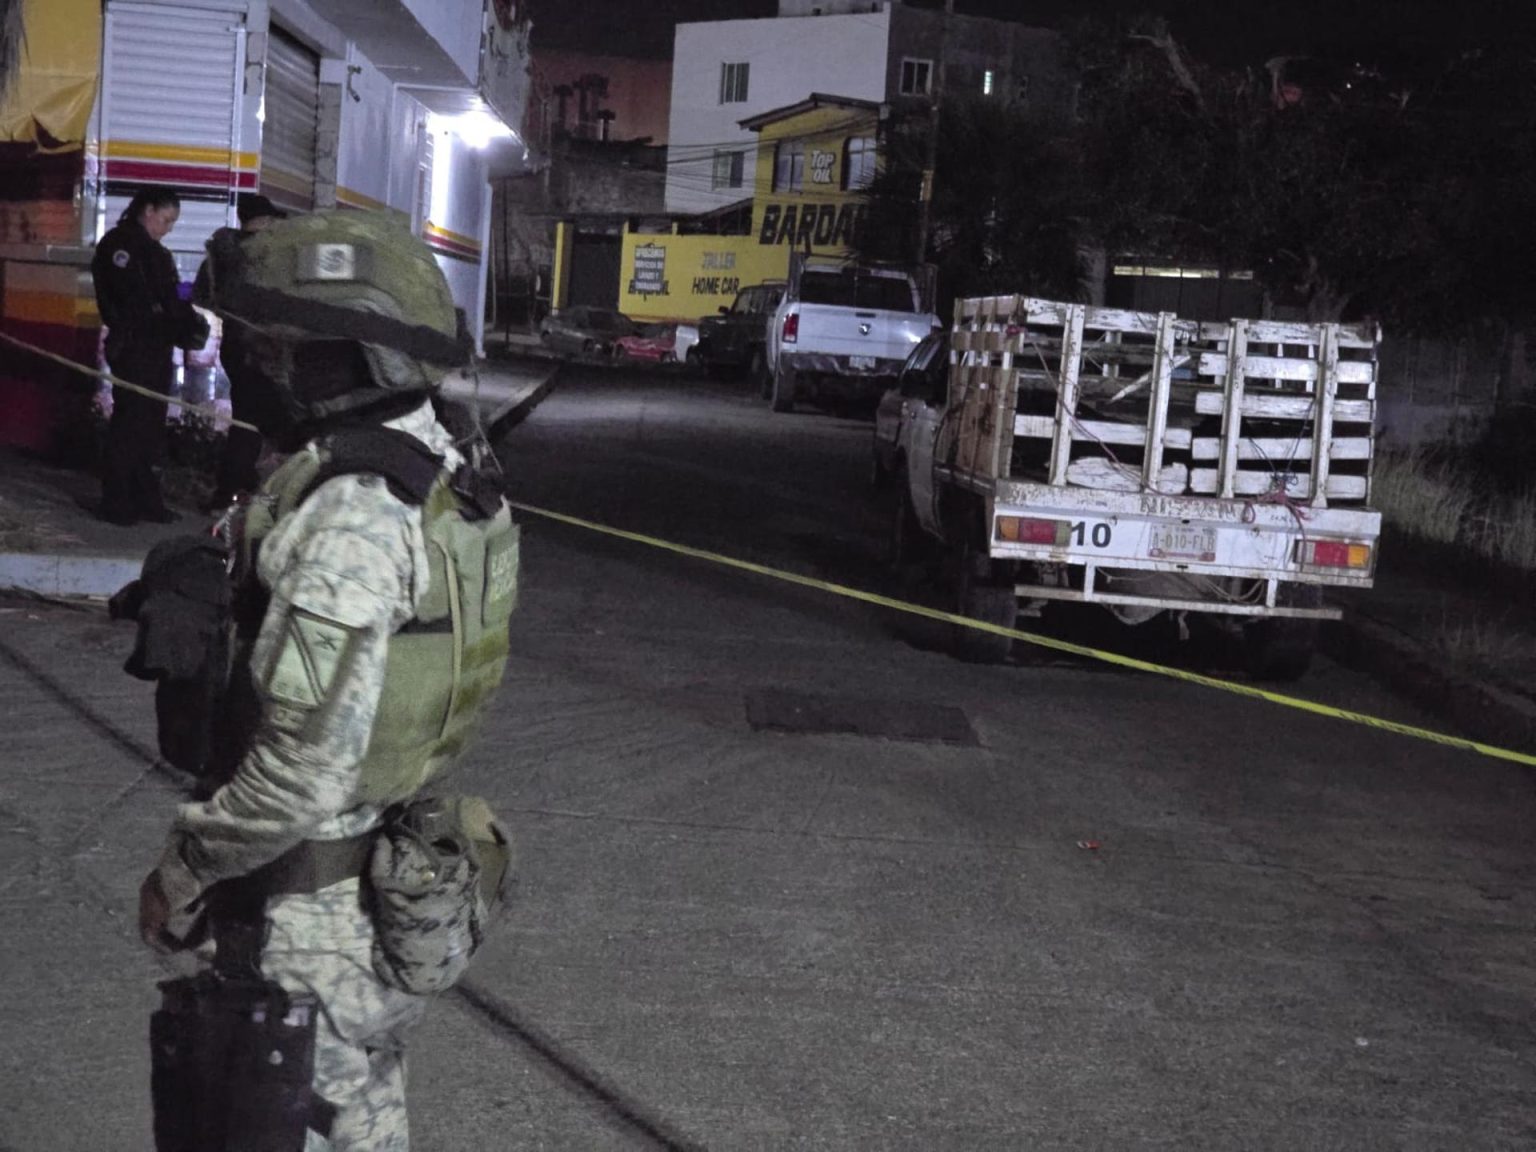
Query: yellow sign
pixel 812 164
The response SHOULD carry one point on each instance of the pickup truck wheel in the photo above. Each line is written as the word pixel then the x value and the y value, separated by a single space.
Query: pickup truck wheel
pixel 980 597
pixel 783 397
pixel 905 543
pixel 1281 648
pixel 757 372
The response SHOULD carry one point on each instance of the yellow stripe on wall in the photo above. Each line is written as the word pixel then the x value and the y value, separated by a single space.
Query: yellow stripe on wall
pixel 51 308
pixel 177 153
pixel 439 233
pixel 355 199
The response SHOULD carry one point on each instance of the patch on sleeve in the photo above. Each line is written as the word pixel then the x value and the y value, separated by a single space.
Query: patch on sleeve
pixel 120 258
pixel 311 656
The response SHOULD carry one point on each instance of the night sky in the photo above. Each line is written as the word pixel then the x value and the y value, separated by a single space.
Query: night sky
pixel 1233 31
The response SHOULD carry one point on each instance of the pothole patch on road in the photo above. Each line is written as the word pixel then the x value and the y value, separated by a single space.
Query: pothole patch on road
pixel 777 710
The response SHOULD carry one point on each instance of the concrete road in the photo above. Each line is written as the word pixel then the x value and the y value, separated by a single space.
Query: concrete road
pixel 1293 933
pixel 1027 907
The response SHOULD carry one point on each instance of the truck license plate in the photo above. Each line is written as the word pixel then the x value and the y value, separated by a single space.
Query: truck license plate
pixel 1181 542
pixel 861 361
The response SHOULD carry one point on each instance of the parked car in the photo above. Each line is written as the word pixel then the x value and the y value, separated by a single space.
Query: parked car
pixel 733 340
pixel 654 342
pixel 585 331
pixel 685 344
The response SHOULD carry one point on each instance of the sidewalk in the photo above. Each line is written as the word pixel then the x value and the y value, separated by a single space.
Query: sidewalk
pixel 52 544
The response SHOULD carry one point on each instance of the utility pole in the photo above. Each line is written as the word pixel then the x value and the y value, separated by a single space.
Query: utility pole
pixel 925 193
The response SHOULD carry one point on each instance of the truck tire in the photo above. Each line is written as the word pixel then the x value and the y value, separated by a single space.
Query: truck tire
pixel 782 399
pixel 981 596
pixel 1281 648
pixel 757 373
pixel 905 544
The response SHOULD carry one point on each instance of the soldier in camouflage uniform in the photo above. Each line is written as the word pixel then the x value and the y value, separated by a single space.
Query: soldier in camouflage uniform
pixel 352 568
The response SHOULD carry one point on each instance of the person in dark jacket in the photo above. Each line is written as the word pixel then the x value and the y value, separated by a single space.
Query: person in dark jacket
pixel 237 466
pixel 137 293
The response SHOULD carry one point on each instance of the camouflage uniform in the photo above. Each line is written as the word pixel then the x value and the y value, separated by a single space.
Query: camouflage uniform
pixel 350 566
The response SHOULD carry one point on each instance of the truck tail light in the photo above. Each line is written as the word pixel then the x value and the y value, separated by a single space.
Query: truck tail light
pixel 1018 530
pixel 792 328
pixel 1333 554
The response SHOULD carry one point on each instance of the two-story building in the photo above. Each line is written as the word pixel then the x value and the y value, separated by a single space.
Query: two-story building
pixel 812 162
pixel 388 106
pixel 727 72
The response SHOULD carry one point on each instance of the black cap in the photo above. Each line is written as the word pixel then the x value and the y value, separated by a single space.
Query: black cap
pixel 252 206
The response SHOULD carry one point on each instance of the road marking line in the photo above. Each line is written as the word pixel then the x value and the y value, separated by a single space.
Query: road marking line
pixel 1294 702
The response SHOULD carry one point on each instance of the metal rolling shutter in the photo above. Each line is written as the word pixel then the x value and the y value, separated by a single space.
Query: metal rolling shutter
pixel 171 75
pixel 292 122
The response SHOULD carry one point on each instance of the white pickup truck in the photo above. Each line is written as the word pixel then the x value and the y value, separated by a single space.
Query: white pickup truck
pixel 1141 462
pixel 843 329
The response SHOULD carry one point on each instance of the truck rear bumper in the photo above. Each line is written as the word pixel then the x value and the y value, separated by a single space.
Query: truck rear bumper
pixel 867 374
pixel 1185 554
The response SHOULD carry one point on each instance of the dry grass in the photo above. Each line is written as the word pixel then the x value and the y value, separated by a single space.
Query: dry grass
pixel 1517 535
pixel 1435 500
pixel 1487 644
pixel 1427 498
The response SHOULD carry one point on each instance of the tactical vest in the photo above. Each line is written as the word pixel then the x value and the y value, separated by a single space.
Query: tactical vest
pixel 443 667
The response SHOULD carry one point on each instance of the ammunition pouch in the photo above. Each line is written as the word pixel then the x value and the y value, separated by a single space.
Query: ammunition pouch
pixel 231 1067
pixel 438 874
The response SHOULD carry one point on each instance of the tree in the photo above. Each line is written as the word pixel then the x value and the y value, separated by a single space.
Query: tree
pixel 1400 200
pixel 1345 192
pixel 1004 215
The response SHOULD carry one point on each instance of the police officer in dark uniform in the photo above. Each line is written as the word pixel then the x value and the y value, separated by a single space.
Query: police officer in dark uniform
pixel 137 293
pixel 237 465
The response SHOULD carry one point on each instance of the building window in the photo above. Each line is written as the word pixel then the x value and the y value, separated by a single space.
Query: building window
pixel 789 166
pixel 916 77
pixel 858 162
pixel 728 170
pixel 733 83
pixel 986 82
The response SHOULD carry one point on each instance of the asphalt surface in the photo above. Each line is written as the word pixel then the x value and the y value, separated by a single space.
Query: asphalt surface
pixel 1125 912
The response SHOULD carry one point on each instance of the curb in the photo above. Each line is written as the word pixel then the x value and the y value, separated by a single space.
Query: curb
pixel 510 415
pixel 44 574
pixel 1478 708
pixel 61 576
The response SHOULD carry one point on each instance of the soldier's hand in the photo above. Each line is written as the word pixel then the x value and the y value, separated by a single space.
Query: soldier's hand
pixel 154 914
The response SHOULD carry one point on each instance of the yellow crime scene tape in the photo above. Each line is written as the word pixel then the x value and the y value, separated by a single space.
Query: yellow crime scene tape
pixel 1442 738
pixel 1236 689
pixel 208 410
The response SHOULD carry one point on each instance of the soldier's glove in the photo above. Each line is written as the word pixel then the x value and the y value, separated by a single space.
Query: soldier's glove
pixel 163 928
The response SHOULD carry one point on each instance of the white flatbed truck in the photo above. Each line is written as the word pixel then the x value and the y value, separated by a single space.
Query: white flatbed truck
pixel 1142 462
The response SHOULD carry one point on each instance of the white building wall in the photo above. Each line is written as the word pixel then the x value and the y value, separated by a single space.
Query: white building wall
pixel 407 120
pixel 456 26
pixel 459 204
pixel 790 58
pixel 379 145
pixel 368 149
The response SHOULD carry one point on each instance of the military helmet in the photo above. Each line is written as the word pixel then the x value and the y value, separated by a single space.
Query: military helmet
pixel 343 312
